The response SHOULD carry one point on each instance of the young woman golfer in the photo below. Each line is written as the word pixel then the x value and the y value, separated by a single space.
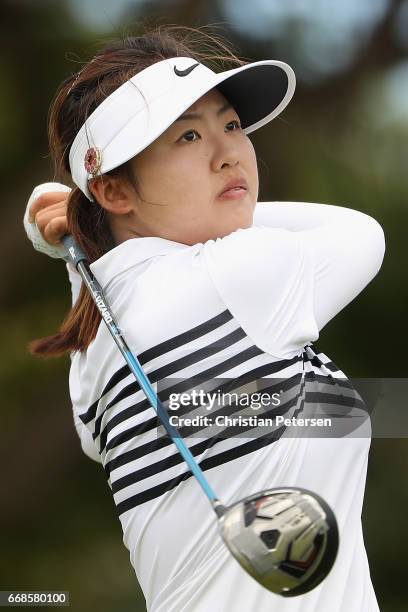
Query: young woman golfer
pixel 204 281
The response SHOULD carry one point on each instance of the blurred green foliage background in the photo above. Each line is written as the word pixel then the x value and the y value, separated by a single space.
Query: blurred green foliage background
pixel 343 140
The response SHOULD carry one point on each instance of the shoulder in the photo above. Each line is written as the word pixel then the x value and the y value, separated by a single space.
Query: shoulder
pixel 255 248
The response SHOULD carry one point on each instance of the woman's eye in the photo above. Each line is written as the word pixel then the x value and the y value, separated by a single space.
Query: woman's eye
pixel 188 134
pixel 236 123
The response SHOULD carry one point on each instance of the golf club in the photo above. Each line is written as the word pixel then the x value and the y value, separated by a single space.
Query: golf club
pixel 286 538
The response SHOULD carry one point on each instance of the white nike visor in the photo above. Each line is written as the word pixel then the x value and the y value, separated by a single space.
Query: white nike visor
pixel 141 109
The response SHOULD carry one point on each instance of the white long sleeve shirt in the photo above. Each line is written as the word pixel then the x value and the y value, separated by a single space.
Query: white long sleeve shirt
pixel 349 252
pixel 248 305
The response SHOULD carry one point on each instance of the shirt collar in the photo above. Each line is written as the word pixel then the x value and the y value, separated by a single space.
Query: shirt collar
pixel 129 253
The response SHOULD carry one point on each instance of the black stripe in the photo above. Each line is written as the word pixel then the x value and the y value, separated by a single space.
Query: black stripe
pixel 310 397
pixel 184 385
pixel 160 443
pixel 326 379
pixel 316 361
pixel 172 368
pixel 285 386
pixel 250 376
pixel 135 453
pixel 229 432
pixel 150 447
pixel 206 464
pixel 167 345
pixel 330 365
pixel 185 337
pixel 336 400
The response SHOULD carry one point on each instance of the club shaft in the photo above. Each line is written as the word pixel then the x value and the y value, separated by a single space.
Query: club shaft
pixel 80 261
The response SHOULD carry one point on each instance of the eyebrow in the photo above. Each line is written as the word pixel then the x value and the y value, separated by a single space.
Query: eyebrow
pixel 188 116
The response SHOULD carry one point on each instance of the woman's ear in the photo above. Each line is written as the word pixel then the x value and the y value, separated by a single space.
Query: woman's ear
pixel 114 194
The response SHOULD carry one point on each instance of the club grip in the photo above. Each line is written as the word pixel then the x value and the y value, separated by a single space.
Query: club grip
pixel 75 253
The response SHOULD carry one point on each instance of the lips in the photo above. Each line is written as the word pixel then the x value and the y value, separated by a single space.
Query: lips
pixel 234 184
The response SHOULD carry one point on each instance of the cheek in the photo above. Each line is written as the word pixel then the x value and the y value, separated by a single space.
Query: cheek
pixel 162 178
pixel 185 180
pixel 252 164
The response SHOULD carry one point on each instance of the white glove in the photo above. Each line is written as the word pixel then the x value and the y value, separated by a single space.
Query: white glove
pixel 33 233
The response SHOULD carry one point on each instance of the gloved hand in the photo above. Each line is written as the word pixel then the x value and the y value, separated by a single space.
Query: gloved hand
pixel 45 218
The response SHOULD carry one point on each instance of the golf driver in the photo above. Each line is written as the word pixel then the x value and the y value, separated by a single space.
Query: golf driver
pixel 286 538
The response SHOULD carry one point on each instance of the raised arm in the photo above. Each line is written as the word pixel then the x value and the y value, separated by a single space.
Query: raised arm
pixel 302 216
pixel 45 218
pixel 347 247
pixel 45 215
pixel 45 222
pixel 297 267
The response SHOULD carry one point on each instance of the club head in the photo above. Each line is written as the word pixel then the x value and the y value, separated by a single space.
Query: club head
pixel 287 538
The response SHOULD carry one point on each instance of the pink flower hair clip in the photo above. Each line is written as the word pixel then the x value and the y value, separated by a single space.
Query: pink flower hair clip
pixel 92 160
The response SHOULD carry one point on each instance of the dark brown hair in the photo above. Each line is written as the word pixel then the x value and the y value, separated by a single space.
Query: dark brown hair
pixel 76 98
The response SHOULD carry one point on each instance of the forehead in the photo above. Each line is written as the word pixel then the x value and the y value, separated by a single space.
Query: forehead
pixel 207 105
pixel 212 98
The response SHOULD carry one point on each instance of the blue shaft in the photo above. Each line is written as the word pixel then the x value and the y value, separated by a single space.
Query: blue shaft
pixel 80 261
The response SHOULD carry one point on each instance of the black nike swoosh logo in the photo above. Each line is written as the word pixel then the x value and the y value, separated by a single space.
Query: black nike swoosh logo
pixel 186 71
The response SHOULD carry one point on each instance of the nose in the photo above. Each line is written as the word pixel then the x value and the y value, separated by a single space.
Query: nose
pixel 225 154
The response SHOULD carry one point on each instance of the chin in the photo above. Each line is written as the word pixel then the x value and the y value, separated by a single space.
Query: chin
pixel 244 221
pixel 228 226
pixel 233 228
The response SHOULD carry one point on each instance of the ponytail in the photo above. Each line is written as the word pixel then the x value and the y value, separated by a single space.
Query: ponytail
pixel 88 224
